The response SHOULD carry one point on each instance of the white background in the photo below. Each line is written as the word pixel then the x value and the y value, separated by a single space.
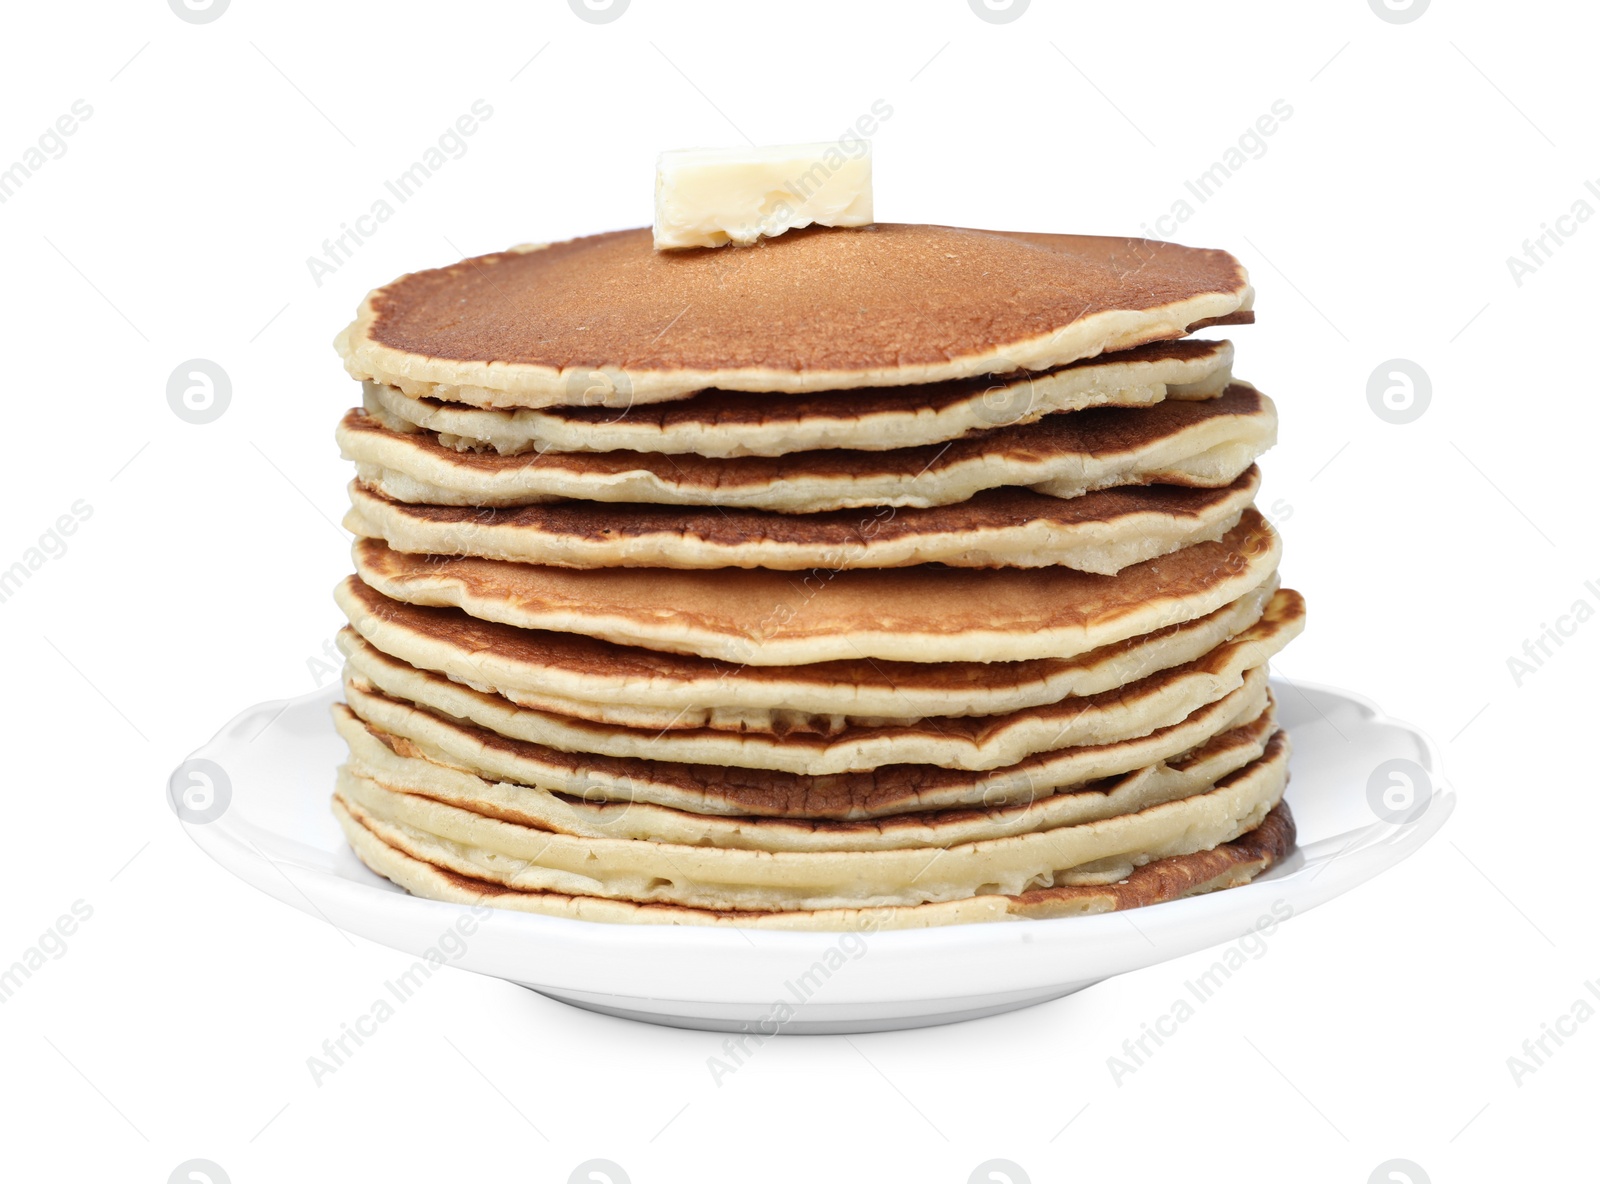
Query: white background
pixel 1376 225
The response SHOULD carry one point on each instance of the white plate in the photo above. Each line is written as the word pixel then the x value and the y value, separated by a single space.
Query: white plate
pixel 269 774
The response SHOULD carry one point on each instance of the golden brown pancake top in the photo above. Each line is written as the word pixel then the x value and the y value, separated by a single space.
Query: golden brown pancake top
pixel 883 296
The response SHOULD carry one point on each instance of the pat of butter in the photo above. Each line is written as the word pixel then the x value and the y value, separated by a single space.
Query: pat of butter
pixel 709 197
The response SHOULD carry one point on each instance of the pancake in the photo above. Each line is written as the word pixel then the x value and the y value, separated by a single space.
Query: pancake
pixel 727 790
pixel 1099 852
pixel 403 765
pixel 602 682
pixel 1101 532
pixel 1226 866
pixel 773 618
pixel 607 319
pixel 964 742
pixel 1205 444
pixel 731 423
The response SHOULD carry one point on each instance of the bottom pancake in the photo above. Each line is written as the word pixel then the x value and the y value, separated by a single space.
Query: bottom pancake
pixel 701 876
pixel 1225 866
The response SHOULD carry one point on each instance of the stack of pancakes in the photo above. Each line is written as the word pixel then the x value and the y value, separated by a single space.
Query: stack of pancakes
pixel 888 577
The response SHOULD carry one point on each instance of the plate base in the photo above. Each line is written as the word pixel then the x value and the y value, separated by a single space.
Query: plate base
pixel 811 1019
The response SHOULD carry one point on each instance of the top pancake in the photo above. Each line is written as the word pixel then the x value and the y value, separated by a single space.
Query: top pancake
pixel 814 310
